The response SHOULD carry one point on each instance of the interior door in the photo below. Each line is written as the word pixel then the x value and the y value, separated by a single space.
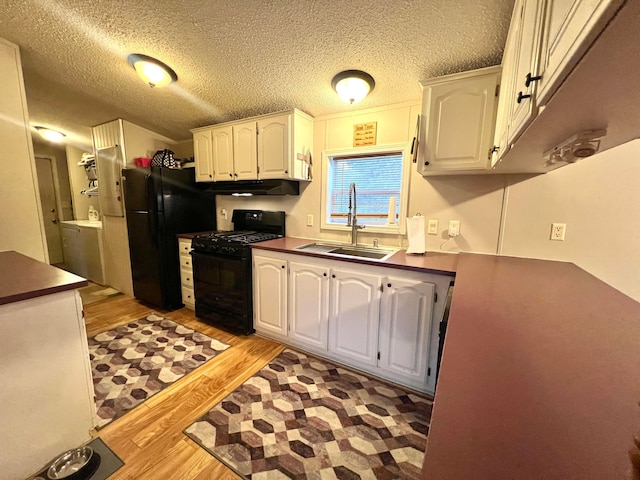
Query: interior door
pixel 49 204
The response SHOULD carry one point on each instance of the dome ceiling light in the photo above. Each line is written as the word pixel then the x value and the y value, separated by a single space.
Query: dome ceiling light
pixel 152 71
pixel 353 85
pixel 51 135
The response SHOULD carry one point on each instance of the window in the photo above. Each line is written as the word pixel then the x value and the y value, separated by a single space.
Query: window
pixel 380 175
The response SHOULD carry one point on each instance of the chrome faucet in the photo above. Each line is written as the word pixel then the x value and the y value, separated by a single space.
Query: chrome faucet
pixel 352 218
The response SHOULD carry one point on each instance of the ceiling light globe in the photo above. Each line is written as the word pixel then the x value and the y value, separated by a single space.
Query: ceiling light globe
pixel 353 85
pixel 153 74
pixel 152 71
pixel 51 135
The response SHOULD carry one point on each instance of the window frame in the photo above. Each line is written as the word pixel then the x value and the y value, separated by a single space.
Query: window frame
pixel 399 148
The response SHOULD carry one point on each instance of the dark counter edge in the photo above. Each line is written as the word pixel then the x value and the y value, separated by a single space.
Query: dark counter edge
pixel 31 278
pixel 431 262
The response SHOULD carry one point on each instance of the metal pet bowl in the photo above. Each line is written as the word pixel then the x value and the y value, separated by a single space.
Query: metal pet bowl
pixel 71 464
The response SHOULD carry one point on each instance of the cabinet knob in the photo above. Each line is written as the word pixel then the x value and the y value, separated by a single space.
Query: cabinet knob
pixel 333 276
pixel 426 164
pixel 324 274
pixel 231 175
pixel 389 285
pixel 522 96
pixel 528 80
pixel 235 174
pixel 282 266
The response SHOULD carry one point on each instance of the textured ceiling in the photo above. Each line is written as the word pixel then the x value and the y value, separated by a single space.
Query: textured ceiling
pixel 237 58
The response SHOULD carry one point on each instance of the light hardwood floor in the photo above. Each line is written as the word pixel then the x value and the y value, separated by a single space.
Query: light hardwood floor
pixel 149 439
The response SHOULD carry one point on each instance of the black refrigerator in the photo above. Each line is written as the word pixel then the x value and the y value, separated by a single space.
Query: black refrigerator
pixel 161 203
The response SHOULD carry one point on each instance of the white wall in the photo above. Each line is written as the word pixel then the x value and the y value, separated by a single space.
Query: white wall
pixel 22 228
pixel 599 200
pixel 474 200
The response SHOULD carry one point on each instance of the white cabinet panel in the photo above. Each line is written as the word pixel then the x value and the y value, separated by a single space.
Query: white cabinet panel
pixel 405 327
pixel 274 146
pixel 245 151
pixel 308 303
pixel 458 116
pixel 570 27
pixel 354 315
pixel 270 295
pixel 222 153
pixel 203 155
pixel 186 273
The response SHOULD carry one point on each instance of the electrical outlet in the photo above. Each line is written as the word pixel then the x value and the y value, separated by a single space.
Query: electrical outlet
pixel 223 212
pixel 432 227
pixel 558 231
pixel 309 220
pixel 454 228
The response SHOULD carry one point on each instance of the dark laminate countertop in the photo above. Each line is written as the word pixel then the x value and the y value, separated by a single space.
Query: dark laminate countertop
pixel 191 235
pixel 540 374
pixel 432 262
pixel 22 278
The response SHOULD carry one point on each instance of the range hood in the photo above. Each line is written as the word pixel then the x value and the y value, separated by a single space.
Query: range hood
pixel 255 187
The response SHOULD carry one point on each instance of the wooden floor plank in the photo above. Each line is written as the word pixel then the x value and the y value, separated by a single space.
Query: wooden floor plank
pixel 149 439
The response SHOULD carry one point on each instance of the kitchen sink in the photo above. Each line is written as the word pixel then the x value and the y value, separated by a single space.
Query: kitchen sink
pixel 352 251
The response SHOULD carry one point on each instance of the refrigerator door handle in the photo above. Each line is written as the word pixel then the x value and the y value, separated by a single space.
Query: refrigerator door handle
pixel 152 216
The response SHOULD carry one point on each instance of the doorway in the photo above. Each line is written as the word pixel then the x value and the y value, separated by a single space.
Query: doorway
pixel 48 187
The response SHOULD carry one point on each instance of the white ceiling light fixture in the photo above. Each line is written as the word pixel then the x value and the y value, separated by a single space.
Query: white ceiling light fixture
pixel 353 85
pixel 152 71
pixel 51 135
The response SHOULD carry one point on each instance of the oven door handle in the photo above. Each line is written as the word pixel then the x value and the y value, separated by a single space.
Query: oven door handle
pixel 229 258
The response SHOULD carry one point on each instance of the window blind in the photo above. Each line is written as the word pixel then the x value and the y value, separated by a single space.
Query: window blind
pixel 377 179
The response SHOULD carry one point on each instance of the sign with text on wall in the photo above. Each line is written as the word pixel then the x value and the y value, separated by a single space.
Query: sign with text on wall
pixel 364 134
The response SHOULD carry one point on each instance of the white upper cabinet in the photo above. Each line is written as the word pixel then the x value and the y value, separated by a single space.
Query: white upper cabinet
pixel 245 158
pixel 546 41
pixel 520 75
pixel 222 153
pixel 458 117
pixel 203 157
pixel 570 27
pixel 275 146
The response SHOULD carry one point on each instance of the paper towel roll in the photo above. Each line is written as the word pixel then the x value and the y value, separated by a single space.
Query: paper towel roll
pixel 391 217
pixel 415 234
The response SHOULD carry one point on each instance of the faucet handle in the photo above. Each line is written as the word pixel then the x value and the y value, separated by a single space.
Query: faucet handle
pixel 359 227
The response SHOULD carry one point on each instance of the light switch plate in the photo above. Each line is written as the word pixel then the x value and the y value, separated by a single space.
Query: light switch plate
pixel 454 228
pixel 432 227
pixel 309 220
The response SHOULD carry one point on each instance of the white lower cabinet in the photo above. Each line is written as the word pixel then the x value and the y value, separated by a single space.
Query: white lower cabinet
pixel 270 295
pixel 405 327
pixel 186 273
pixel 380 320
pixel 308 304
pixel 353 318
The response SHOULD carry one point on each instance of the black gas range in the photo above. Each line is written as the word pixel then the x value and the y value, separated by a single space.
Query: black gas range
pixel 222 268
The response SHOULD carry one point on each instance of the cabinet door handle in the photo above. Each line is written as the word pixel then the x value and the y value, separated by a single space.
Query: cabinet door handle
pixel 529 79
pixel 522 96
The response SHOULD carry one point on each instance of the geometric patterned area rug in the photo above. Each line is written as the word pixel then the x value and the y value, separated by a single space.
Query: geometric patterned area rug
pixel 134 361
pixel 302 417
